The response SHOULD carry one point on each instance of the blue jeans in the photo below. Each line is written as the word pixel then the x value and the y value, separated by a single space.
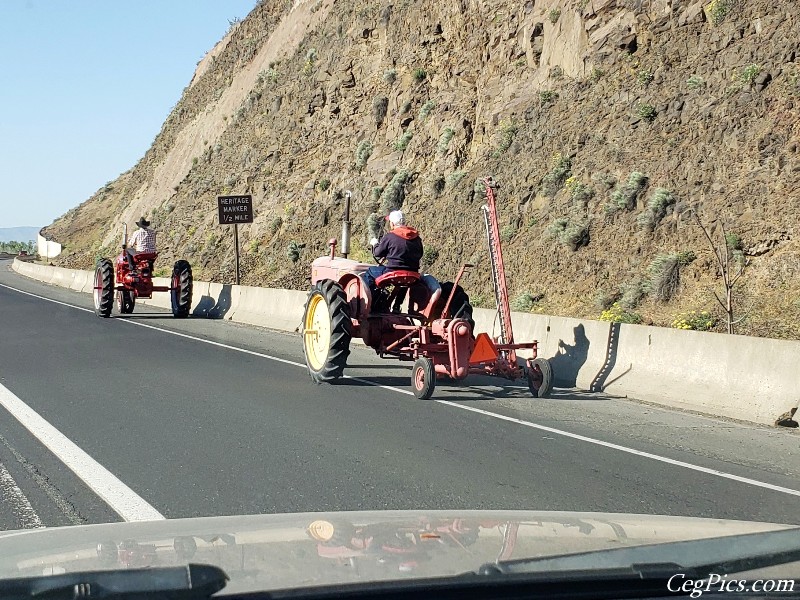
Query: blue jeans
pixel 371 274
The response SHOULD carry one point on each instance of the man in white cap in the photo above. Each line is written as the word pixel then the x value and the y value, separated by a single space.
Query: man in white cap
pixel 401 247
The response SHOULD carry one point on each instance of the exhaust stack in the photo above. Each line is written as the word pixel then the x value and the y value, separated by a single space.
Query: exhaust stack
pixel 346 224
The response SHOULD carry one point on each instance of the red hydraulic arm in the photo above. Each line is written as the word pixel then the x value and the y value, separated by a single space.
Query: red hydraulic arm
pixel 498 269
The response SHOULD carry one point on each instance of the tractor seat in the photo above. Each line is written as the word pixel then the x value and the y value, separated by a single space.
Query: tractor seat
pixel 146 256
pixel 398 277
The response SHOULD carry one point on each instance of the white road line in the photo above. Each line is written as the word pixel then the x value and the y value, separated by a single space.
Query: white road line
pixel 125 502
pixel 561 432
pixel 56 497
pixel 8 287
pixel 663 459
pixel 259 354
pixel 211 342
pixel 18 501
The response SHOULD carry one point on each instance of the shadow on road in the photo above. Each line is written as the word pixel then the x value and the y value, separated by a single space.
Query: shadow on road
pixel 513 391
pixel 470 393
pixel 387 367
pixel 391 380
pixel 576 395
pixel 445 389
pixel 144 316
pixel 472 389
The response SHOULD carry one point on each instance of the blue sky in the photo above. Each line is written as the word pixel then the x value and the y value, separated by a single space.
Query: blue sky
pixel 84 88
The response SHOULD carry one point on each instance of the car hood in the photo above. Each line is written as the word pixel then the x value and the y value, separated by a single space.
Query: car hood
pixel 267 552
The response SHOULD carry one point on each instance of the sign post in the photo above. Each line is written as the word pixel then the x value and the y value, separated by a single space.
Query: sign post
pixel 236 249
pixel 234 210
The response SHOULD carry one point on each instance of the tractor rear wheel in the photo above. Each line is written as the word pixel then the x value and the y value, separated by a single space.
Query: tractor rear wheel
pixel 103 288
pixel 326 331
pixel 540 378
pixel 181 289
pixel 125 301
pixel 423 378
pixel 459 306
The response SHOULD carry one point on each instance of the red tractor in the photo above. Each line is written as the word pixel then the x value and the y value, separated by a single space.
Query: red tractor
pixel 436 331
pixel 123 287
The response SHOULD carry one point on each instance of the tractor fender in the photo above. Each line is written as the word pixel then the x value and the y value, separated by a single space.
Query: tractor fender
pixel 359 296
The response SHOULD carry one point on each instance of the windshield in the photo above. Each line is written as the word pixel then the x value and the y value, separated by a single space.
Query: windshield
pixel 523 270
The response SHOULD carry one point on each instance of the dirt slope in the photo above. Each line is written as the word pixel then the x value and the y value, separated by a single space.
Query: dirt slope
pixel 603 120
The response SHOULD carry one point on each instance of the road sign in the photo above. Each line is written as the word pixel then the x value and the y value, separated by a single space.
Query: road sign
pixel 235 210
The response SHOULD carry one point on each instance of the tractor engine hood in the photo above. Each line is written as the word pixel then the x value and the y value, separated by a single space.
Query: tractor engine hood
pixel 326 267
pixel 268 552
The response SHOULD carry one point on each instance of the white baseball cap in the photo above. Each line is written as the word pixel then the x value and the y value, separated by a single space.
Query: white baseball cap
pixel 396 217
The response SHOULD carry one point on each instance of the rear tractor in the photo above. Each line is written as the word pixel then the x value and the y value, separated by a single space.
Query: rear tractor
pixel 436 332
pixel 115 283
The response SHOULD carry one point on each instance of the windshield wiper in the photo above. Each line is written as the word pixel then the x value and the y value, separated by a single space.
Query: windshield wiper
pixel 173 583
pixel 611 584
pixel 728 554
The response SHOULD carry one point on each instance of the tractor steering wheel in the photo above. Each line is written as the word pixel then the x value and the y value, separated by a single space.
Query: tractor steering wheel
pixel 378 259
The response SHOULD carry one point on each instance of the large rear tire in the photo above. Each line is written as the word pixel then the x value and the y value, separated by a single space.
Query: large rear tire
pixel 103 288
pixel 326 331
pixel 540 378
pixel 126 300
pixel 459 306
pixel 181 289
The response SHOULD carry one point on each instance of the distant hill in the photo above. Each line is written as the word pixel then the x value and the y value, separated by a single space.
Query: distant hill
pixel 18 234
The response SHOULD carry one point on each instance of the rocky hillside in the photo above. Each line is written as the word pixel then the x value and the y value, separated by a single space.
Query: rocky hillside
pixel 605 122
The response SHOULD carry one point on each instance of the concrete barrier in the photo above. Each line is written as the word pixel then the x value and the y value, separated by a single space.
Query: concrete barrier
pixel 22 267
pixel 740 377
pixel 279 309
pixel 82 281
pixel 199 291
pixel 219 302
pixel 47 274
pixel 63 277
pixel 746 378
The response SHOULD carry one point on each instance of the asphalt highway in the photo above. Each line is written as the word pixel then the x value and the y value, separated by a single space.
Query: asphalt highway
pixel 145 416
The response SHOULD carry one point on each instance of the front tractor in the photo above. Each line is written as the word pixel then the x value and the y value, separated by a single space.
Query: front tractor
pixel 436 331
pixel 115 283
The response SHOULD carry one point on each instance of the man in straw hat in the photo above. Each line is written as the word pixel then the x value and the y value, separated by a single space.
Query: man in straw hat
pixel 142 241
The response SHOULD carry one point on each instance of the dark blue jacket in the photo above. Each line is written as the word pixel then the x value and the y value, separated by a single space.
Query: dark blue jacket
pixel 401 247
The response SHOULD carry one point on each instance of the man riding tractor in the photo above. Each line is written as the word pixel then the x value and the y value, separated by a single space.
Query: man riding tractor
pixel 400 248
pixel 143 241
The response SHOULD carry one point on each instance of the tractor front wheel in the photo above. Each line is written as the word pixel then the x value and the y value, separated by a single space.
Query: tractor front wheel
pixel 326 331
pixel 540 378
pixel 181 289
pixel 423 378
pixel 103 288
pixel 126 300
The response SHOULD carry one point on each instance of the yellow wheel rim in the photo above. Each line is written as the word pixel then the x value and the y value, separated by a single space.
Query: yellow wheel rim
pixel 317 332
pixel 322 531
